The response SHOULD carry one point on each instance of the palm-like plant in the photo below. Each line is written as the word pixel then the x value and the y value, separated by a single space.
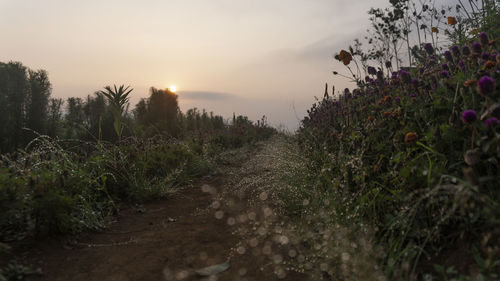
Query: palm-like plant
pixel 118 99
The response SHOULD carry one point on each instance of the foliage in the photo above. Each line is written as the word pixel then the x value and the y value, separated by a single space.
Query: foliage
pixel 118 100
pixel 413 156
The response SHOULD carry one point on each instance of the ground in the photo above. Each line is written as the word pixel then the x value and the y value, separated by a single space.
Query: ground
pixel 233 216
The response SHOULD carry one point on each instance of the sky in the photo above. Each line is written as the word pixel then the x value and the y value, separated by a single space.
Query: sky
pixel 251 57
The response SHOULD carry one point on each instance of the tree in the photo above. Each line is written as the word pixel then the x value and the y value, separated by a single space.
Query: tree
pixel 37 100
pixel 160 111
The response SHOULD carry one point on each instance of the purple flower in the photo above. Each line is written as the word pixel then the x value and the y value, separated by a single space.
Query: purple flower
pixel 413 96
pixel 421 70
pixel 447 55
pixel 388 64
pixel 485 56
pixel 476 48
pixel 469 116
pixel 346 91
pixel 372 70
pixel 483 38
pixel 486 85
pixel 429 49
pixel 445 74
pixel 456 51
pixel 466 50
pixel 397 99
pixel 461 65
pixel 405 76
pixel 491 122
pixel 414 82
pixel 380 75
pixel 445 66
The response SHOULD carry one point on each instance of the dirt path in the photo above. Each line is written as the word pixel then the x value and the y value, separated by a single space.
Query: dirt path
pixel 229 217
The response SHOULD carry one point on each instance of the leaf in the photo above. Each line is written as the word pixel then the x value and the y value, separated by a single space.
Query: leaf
pixel 214 269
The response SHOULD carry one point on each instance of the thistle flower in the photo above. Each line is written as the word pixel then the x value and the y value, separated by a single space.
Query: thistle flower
pixel 411 137
pixel 372 70
pixel 455 50
pixel 447 55
pixel 415 82
pixel 466 50
pixel 485 56
pixel 429 49
pixel 445 66
pixel 421 70
pixel 397 99
pixel 388 64
pixel 346 91
pixel 445 74
pixel 469 116
pixel 476 48
pixel 491 122
pixel 405 76
pixel 461 65
pixel 483 38
pixel 413 96
pixel 486 85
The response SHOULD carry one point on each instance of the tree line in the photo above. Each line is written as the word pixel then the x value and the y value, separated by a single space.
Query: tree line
pixel 27 110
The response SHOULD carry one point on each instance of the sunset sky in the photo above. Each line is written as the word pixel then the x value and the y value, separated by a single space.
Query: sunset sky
pixel 258 57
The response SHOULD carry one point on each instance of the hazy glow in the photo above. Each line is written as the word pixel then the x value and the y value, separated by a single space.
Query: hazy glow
pixel 259 57
pixel 173 88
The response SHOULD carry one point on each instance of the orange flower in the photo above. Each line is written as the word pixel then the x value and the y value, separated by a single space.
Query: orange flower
pixel 345 57
pixel 395 113
pixel 470 82
pixel 452 21
pixel 435 29
pixel 411 137
pixel 371 118
pixel 386 114
pixel 363 108
pixel 489 64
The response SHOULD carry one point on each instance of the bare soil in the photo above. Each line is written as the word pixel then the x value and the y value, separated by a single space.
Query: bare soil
pixel 208 223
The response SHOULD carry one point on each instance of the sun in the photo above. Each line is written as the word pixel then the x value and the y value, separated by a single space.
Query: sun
pixel 173 88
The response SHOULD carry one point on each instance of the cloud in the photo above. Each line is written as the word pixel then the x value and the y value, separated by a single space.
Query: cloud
pixel 205 95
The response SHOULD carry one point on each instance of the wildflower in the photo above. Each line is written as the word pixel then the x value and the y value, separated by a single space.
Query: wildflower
pixel 469 116
pixel 485 56
pixel 489 64
pixel 380 75
pixel 415 82
pixel 455 50
pixel 345 57
pixel 413 96
pixel 429 49
pixel 447 55
pixel 476 48
pixel 372 70
pixel 486 85
pixel 461 65
pixel 445 66
pixel 483 38
pixel 388 64
pixel 411 137
pixel 395 113
pixel 470 82
pixel 466 50
pixel 386 114
pixel 371 118
pixel 491 122
pixel 445 74
pixel 397 99
pixel 346 91
pixel 405 76
pixel 452 21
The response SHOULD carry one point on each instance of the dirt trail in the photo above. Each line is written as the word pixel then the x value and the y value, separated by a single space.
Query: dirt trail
pixel 228 217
